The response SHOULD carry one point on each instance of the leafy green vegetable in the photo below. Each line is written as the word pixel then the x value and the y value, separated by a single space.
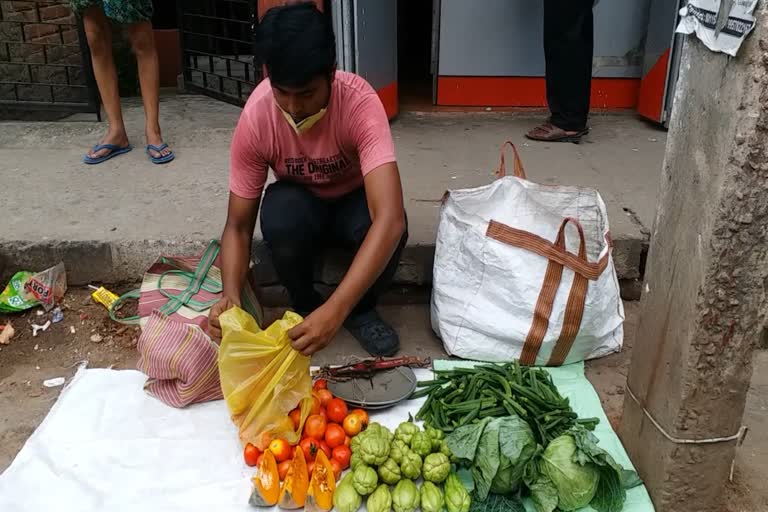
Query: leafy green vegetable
pixel 498 503
pixel 497 451
pixel 463 441
pixel 614 479
pixel 576 482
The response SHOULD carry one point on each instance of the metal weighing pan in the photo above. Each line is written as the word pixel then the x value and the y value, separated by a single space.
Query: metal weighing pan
pixel 383 390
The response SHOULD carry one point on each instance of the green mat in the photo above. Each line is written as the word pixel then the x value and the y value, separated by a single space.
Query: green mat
pixel 572 383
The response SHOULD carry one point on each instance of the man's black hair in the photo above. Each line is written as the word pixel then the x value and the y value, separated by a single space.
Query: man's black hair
pixel 296 43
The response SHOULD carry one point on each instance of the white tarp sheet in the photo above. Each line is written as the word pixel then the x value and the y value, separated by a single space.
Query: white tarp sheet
pixel 108 446
pixel 702 17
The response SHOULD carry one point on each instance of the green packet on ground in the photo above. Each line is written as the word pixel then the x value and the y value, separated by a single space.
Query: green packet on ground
pixel 27 290
pixel 15 298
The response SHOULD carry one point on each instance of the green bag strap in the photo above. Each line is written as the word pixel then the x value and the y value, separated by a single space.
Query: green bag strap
pixel 199 279
pixel 209 285
pixel 131 320
pixel 175 302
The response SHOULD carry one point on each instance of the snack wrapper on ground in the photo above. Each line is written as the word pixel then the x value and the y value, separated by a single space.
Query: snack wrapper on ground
pixel 26 290
pixel 263 378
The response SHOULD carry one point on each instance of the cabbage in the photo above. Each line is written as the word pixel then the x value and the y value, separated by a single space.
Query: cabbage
pixel 496 451
pixel 576 483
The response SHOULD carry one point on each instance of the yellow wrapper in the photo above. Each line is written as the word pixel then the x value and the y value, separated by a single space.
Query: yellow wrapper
pixel 104 297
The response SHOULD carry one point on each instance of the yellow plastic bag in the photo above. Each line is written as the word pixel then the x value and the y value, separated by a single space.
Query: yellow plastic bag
pixel 262 377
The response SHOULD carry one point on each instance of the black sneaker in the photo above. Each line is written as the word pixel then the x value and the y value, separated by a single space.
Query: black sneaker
pixel 376 336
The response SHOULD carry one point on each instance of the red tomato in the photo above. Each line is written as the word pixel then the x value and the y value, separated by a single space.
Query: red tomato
pixel 251 455
pixel 347 441
pixel 310 468
pixel 337 469
pixel 320 384
pixel 258 459
pixel 324 446
pixel 295 416
pixel 309 446
pixel 337 410
pixel 283 467
pixel 315 426
pixel 324 413
pixel 280 449
pixel 342 454
pixel 334 435
pixel 325 396
pixel 315 405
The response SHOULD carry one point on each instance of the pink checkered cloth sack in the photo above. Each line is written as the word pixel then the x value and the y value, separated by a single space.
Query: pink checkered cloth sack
pixel 175 350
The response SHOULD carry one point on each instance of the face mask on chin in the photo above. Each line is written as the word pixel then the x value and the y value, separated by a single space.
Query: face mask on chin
pixel 305 124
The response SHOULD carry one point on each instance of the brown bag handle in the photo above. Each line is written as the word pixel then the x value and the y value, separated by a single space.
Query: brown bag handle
pixel 519 170
pixel 558 257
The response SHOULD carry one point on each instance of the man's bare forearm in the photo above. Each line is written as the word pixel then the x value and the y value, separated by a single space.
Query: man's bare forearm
pixel 235 260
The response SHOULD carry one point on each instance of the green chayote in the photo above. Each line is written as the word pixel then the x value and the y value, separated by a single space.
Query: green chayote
pixel 355 444
pixel 406 497
pixel 389 472
pixel 436 467
pixel 364 479
pixel 376 429
pixel 345 498
pixel 421 444
pixel 444 448
pixel 397 450
pixel 355 460
pixel 436 436
pixel 431 498
pixel 411 465
pixel 457 498
pixel 374 450
pixel 380 500
pixel 405 431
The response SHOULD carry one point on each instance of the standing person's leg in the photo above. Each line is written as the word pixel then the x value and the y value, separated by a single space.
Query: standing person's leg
pixel 143 43
pixel 351 220
pixel 99 35
pixel 293 223
pixel 568 49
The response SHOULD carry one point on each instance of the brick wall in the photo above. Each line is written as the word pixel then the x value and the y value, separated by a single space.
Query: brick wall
pixel 40 56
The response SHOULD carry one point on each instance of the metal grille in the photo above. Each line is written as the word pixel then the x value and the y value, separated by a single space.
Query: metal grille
pixel 217 48
pixel 44 59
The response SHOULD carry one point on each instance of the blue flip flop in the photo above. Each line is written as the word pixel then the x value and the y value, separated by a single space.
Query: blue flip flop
pixel 162 159
pixel 114 150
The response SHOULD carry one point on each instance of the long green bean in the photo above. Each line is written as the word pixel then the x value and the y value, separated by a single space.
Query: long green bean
pixel 464 395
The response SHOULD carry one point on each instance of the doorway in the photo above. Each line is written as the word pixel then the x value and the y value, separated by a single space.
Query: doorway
pixel 414 54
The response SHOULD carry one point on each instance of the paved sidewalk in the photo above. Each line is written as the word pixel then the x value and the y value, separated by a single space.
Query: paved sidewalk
pixel 109 221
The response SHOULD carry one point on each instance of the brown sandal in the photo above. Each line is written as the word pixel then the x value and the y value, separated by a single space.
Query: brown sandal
pixel 548 132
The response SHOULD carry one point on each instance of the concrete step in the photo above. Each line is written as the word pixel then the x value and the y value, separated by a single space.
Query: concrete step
pixel 109 222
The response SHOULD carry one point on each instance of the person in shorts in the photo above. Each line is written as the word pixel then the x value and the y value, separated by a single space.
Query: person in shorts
pixel 136 15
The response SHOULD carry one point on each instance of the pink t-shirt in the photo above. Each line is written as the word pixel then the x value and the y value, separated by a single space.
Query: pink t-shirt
pixel 330 159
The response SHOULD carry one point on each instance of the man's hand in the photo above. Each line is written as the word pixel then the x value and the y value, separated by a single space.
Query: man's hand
pixel 317 330
pixel 214 327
